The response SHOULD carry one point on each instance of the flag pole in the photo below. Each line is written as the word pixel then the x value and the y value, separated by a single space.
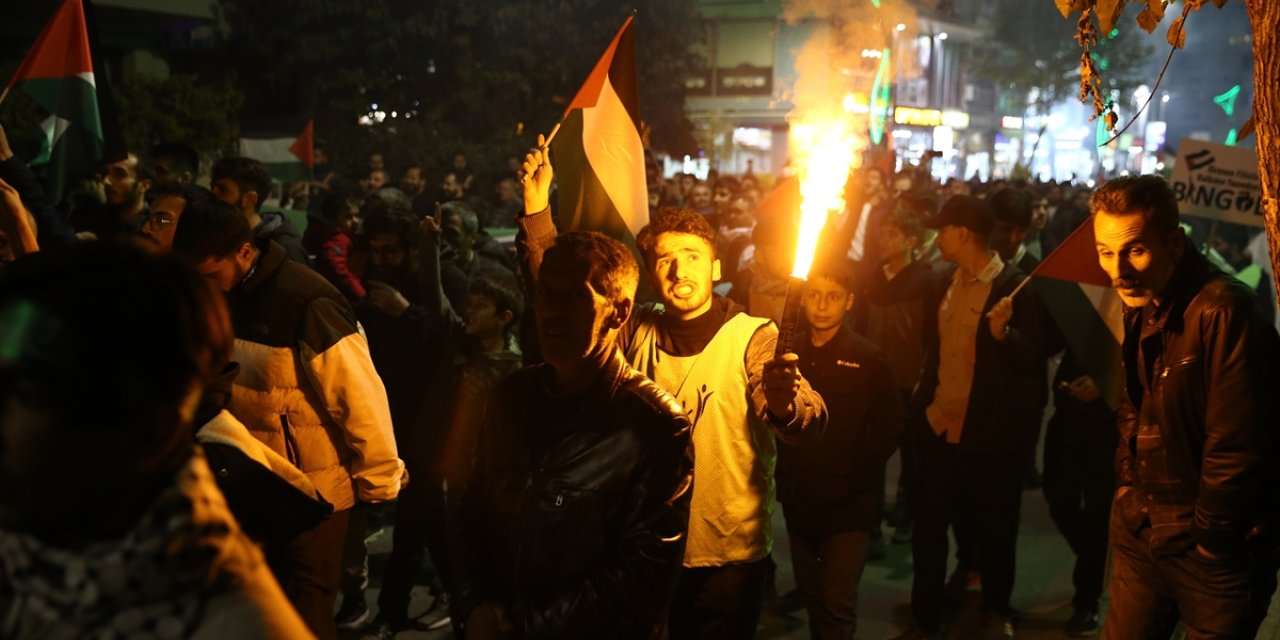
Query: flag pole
pixel 1022 284
pixel 550 136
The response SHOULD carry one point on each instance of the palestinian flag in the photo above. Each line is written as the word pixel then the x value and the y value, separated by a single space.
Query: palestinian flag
pixel 1088 312
pixel 285 151
pixel 598 155
pixel 58 74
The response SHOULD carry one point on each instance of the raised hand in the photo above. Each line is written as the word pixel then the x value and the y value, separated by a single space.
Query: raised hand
pixel 430 225
pixel 536 177
pixel 16 222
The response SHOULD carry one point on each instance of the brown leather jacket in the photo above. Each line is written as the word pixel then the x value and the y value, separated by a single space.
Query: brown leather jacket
pixel 1197 460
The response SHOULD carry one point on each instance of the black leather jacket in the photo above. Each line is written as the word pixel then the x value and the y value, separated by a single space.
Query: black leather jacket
pixel 1198 460
pixel 575 512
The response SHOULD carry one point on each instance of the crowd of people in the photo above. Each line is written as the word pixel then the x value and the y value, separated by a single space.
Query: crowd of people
pixel 205 409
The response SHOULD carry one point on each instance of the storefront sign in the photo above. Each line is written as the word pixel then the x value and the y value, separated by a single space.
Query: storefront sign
pixel 911 116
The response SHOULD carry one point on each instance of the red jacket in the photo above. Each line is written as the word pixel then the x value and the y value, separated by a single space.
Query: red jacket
pixel 331 247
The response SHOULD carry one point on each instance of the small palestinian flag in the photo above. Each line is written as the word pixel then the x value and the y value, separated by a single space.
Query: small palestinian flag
pixel 58 74
pixel 1087 310
pixel 598 154
pixel 284 151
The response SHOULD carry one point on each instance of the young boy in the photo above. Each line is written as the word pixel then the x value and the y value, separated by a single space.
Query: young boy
pixel 329 239
pixel 828 492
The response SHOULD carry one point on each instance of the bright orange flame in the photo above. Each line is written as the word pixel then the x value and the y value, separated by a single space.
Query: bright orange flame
pixel 824 149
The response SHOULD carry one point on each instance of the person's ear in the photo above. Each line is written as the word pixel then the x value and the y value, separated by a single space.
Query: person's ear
pixel 144 185
pixel 848 303
pixel 244 255
pixel 251 199
pixel 507 319
pixel 621 312
pixel 186 176
pixel 715 270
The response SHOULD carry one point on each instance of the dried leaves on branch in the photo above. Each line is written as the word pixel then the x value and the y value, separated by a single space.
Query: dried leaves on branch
pixel 1101 16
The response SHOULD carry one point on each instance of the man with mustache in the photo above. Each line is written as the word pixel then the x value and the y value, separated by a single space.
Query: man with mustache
pixel 1194 523
pixel 719 363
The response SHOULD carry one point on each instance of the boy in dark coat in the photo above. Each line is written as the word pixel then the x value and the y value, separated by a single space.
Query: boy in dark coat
pixel 828 491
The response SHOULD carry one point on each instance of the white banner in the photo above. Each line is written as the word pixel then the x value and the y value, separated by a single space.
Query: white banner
pixel 1219 182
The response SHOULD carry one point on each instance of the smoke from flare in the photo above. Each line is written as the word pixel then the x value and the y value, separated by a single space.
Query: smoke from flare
pixel 827 137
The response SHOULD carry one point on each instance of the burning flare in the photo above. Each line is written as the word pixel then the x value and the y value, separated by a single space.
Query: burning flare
pixel 824 149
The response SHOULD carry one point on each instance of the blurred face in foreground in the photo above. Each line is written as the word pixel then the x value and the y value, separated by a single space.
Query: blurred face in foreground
pixel 574 320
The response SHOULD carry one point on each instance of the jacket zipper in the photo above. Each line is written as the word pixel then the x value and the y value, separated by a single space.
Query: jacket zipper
pixel 524 521
pixel 290 445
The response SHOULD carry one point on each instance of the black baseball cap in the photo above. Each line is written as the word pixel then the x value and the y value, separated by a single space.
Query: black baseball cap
pixel 969 212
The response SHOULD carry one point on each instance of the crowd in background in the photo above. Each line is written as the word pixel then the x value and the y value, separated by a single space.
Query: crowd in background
pixel 359 356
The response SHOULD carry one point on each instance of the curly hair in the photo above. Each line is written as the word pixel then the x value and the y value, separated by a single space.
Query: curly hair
pixel 673 220
pixel 613 272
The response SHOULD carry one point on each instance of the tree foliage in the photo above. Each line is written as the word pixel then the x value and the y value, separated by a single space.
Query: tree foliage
pixel 180 107
pixel 1102 16
pixel 1031 52
pixel 483 77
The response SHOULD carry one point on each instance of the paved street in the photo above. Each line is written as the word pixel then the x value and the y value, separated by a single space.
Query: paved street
pixel 1042 592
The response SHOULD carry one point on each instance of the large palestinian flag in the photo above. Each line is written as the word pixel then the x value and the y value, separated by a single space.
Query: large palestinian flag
pixel 285 151
pixel 598 155
pixel 1088 312
pixel 58 74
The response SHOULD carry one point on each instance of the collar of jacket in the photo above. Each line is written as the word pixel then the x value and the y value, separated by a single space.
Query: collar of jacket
pixel 270 258
pixel 841 341
pixel 998 279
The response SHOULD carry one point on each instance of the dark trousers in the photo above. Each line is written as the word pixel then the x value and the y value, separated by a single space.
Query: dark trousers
pixel 1079 482
pixel 909 472
pixel 308 568
pixel 987 486
pixel 1214 598
pixel 355 554
pixel 419 527
pixel 828 568
pixel 718 603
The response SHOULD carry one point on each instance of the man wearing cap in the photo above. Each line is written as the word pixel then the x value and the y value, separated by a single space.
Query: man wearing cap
pixel 973 397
